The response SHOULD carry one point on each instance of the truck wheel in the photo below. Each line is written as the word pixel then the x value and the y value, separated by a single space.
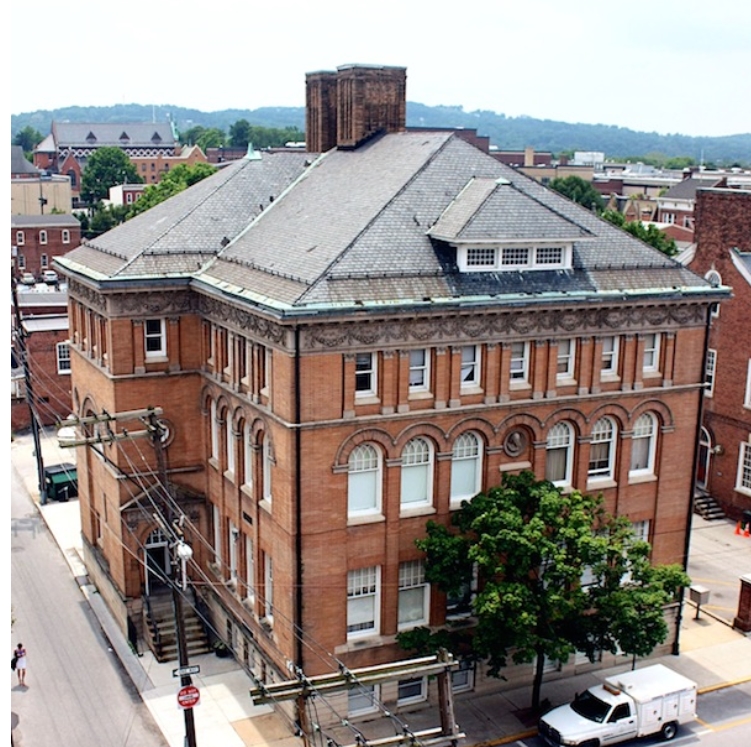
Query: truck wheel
pixel 669 730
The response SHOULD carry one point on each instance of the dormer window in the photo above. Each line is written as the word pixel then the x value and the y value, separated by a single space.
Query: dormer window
pixel 513 258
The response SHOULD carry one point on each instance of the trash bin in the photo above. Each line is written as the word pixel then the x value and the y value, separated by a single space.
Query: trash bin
pixel 61 482
pixel 746 519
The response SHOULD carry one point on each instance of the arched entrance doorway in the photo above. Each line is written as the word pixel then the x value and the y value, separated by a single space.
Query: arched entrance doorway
pixel 705 457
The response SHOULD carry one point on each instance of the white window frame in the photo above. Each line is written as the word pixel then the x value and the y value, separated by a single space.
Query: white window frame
pixel 250 570
pixel 463 678
pixel 566 359
pixel 747 396
pixel 43 237
pixel 365 459
pixel 20 238
pixel 366 375
pixel 561 438
pixel 743 477
pixel 466 459
pixel 601 436
pixel 268 468
pixel 233 537
pixel 44 261
pixel 362 700
pixel 414 595
pixel 715 280
pixel 417 473
pixel 214 418
pixel 230 444
pixel 62 352
pixel 152 336
pixel 66 236
pixel 709 372
pixel 519 362
pixel 268 588
pixel 649 435
pixel 419 370
pixel 470 369
pixel 420 684
pixel 217 538
pixel 478 258
pixel 247 456
pixel 610 351
pixel 363 602
pixel 651 360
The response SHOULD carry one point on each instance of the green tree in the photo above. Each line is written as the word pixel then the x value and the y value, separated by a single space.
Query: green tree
pixel 649 233
pixel 105 168
pixel 239 134
pixel 532 545
pixel 103 218
pixel 28 138
pixel 579 190
pixel 174 181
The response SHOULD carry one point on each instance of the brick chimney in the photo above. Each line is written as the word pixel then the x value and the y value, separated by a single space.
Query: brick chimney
pixel 346 107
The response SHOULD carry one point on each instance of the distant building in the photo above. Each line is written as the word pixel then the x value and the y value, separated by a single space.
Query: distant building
pixel 36 192
pixel 37 239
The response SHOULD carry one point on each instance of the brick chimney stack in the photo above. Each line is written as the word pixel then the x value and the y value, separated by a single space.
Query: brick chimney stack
pixel 346 107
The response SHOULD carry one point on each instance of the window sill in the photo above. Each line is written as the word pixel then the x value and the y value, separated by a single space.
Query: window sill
pixel 516 386
pixel 470 389
pixel 247 489
pixel 423 394
pixel 374 518
pixel 422 510
pixel 598 483
pixel 636 477
pixel 367 399
pixel 609 377
pixel 229 475
pixel 265 504
pixel 156 359
pixel 565 381
pixel 357 644
pixel 511 466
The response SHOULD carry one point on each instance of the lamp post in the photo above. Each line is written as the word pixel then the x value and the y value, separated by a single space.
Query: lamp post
pixel 182 554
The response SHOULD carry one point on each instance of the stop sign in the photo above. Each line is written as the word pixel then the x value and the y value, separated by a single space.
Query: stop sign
pixel 188 696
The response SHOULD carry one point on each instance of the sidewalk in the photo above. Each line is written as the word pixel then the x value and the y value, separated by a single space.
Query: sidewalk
pixel 711 653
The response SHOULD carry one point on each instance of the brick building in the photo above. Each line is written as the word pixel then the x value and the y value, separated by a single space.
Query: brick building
pixel 347 343
pixel 38 239
pixel 722 254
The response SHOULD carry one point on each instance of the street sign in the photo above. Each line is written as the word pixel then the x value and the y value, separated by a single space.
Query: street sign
pixel 188 696
pixel 184 671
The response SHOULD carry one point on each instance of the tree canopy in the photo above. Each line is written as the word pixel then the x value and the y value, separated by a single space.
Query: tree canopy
pixel 649 233
pixel 579 190
pixel 28 138
pixel 556 573
pixel 105 168
pixel 174 181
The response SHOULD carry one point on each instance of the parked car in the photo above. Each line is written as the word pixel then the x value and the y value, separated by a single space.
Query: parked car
pixel 27 278
pixel 50 277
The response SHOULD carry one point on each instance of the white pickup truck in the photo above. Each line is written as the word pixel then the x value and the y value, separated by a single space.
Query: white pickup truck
pixel 633 704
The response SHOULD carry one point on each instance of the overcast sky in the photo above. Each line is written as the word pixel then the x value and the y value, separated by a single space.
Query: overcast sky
pixel 671 66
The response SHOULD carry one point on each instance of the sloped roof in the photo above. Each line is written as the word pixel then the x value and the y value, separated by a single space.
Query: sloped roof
pixel 121 135
pixel 686 188
pixel 19 164
pixel 295 232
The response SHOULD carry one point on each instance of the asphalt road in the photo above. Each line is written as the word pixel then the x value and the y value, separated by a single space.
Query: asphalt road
pixel 77 693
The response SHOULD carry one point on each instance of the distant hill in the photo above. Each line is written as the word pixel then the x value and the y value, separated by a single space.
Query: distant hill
pixel 508 133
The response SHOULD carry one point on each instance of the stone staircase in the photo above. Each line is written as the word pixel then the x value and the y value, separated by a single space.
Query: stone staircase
pixel 707 507
pixel 160 632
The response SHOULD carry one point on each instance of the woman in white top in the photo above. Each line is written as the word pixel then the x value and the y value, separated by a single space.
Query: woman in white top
pixel 20 654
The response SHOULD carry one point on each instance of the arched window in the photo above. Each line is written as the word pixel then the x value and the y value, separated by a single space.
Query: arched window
pixel 268 463
pixel 230 434
pixel 559 454
pixel 417 473
pixel 602 450
pixel 466 468
pixel 247 456
pixel 214 431
pixel 364 481
pixel 643 441
pixel 705 455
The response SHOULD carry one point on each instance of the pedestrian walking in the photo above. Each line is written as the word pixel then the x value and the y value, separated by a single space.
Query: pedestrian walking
pixel 20 656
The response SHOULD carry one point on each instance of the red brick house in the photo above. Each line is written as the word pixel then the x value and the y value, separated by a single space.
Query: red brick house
pixel 346 343
pixel 38 239
pixel 722 254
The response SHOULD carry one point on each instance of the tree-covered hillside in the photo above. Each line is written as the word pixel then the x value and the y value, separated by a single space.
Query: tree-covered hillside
pixel 507 133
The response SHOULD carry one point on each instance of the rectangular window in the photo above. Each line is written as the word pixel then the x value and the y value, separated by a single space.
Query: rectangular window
pixel 43 237
pixel 412 690
pixel 365 374
pixel 362 700
pixel 250 570
pixel 413 595
pixel 44 261
pixel 66 236
pixel 519 361
pixel 463 678
pixel 610 355
pixel 549 255
pixel 268 589
pixel 154 338
pixel 363 603
pixel 743 482
pixel 710 371
pixel 20 238
pixel 470 365
pixel 747 397
pixel 419 370
pixel 566 359
pixel 515 256
pixel 63 358
pixel 481 257
pixel 651 352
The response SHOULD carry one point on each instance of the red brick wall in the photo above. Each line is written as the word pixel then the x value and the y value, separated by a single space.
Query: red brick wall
pixel 32 249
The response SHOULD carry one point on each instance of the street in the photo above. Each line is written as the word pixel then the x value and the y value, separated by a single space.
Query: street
pixel 76 694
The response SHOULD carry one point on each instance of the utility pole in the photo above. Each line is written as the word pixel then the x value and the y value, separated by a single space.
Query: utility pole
pixel 302 688
pixel 181 553
pixel 24 354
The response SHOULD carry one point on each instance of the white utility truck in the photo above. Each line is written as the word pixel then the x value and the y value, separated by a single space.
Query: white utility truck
pixel 653 700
